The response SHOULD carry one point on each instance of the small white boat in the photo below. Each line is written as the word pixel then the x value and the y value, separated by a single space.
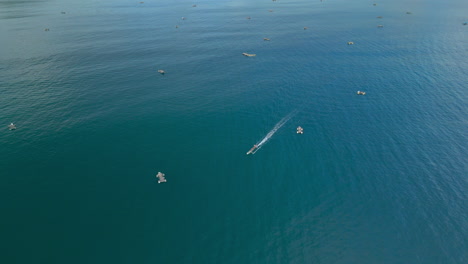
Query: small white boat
pixel 300 130
pixel 11 126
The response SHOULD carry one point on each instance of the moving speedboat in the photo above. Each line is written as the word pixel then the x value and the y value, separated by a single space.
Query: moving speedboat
pixel 252 149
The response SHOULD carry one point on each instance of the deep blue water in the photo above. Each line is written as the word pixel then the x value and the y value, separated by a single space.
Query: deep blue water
pixel 380 178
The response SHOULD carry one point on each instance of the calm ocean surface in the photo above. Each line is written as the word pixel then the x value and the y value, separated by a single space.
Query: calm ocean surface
pixel 380 178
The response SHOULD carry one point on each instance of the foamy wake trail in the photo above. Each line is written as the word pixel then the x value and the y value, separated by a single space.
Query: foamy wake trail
pixel 270 134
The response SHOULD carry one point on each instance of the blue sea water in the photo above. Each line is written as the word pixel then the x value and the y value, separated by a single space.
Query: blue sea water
pixel 380 178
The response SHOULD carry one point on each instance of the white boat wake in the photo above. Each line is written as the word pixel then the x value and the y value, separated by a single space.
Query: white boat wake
pixel 271 133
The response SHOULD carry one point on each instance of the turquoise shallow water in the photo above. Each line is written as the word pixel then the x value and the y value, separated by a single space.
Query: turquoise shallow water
pixel 379 178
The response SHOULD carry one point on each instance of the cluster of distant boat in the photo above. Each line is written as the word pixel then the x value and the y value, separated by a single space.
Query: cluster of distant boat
pixel 162 72
pixel 299 130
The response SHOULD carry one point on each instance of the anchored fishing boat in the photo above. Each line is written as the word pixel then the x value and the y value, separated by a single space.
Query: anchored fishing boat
pixel 161 177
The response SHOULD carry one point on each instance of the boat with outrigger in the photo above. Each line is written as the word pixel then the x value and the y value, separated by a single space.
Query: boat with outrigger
pixel 161 177
pixel 252 149
pixel 300 130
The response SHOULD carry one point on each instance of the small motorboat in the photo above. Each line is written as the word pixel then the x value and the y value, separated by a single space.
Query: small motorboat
pixel 252 149
pixel 350 43
pixel 361 93
pixel 300 130
pixel 266 39
pixel 161 71
pixel 11 126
